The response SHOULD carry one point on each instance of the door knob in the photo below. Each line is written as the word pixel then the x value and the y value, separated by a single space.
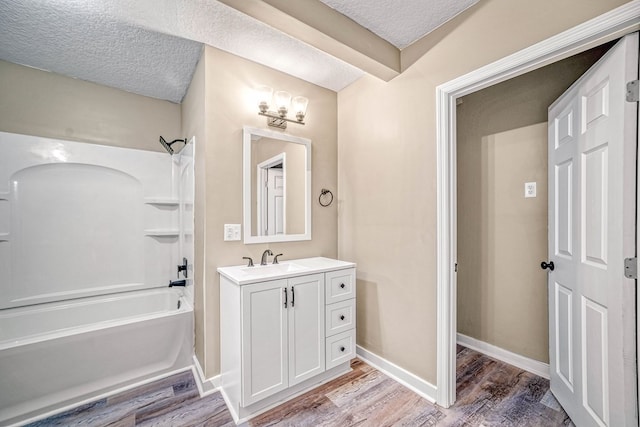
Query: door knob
pixel 550 265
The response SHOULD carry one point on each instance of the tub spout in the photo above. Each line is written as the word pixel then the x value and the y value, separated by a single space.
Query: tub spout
pixel 177 283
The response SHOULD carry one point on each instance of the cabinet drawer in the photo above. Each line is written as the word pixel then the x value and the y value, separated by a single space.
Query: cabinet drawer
pixel 341 348
pixel 340 285
pixel 340 317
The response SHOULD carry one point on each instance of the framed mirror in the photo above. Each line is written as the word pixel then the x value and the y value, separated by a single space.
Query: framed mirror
pixel 276 186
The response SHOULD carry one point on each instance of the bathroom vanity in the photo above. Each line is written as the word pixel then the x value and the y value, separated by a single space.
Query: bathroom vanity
pixel 284 329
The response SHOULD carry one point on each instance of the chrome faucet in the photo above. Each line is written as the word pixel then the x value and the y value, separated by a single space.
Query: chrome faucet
pixel 264 256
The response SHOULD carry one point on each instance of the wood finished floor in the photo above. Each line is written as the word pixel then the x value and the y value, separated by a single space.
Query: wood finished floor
pixel 489 393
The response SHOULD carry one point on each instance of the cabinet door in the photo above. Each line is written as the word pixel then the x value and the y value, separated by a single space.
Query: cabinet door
pixel 264 340
pixel 306 327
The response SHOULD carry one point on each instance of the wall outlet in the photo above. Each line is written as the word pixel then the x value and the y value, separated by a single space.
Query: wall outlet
pixel 529 189
pixel 231 232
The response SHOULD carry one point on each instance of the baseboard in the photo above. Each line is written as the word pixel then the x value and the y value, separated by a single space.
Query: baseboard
pixel 206 386
pixel 401 375
pixel 522 362
pixel 230 407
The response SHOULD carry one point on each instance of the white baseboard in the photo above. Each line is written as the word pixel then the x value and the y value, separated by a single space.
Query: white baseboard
pixel 206 386
pixel 522 362
pixel 401 375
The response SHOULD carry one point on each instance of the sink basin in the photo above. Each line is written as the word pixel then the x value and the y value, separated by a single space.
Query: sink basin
pixel 271 269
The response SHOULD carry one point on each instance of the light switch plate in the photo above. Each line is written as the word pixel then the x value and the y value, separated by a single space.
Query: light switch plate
pixel 231 232
pixel 529 189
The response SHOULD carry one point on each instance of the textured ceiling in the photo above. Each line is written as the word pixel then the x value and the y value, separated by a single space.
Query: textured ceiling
pixel 67 38
pixel 400 22
pixel 151 47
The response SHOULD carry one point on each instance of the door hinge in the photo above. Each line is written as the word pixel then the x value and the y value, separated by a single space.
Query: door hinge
pixel 631 268
pixel 633 91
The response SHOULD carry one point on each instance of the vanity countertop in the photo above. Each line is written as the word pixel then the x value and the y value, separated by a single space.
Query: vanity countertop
pixel 243 275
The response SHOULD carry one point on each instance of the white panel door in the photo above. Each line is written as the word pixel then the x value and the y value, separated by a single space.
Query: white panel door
pixel 592 165
pixel 264 340
pixel 275 202
pixel 306 327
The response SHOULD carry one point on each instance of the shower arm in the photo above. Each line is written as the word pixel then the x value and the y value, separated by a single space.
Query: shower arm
pixel 167 145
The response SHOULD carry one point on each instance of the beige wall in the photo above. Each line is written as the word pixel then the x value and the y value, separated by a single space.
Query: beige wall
pixel 229 104
pixel 502 292
pixel 502 237
pixel 387 171
pixel 35 102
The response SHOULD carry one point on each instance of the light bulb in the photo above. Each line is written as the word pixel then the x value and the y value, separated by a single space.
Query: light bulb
pixel 282 99
pixel 263 98
pixel 299 105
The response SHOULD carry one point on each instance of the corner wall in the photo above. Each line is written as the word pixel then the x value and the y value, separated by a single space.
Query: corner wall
pixel 387 170
pixel 193 125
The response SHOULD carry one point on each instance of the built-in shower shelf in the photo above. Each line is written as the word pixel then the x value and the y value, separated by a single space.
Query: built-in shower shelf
pixel 4 196
pixel 162 232
pixel 161 201
pixel 4 237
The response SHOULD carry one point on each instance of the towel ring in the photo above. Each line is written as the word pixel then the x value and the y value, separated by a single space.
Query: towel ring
pixel 323 192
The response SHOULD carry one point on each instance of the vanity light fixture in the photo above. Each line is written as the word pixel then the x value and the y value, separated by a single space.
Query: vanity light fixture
pixel 281 102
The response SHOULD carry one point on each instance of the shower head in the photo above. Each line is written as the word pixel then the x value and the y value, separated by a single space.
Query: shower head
pixel 167 145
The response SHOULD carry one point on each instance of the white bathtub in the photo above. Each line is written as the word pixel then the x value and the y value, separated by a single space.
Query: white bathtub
pixel 57 354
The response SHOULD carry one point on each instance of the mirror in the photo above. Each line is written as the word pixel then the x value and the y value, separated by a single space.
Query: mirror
pixel 276 186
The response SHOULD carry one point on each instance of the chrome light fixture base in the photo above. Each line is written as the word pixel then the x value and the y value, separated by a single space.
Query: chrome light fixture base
pixel 276 121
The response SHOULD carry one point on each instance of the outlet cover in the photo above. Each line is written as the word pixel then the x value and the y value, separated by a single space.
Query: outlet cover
pixel 529 189
pixel 231 232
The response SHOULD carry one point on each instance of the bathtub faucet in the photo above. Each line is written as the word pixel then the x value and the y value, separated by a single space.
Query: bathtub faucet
pixel 177 283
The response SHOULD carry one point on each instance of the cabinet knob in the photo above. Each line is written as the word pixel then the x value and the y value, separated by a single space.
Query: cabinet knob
pixel 342 285
pixel 342 349
pixel 342 317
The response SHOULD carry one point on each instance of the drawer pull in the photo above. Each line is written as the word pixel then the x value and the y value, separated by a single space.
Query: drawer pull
pixel 342 349
pixel 342 317
pixel 342 285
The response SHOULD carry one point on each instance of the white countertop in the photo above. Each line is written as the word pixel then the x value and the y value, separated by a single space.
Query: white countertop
pixel 243 275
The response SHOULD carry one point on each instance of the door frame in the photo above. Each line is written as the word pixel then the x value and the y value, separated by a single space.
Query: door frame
pixel 609 26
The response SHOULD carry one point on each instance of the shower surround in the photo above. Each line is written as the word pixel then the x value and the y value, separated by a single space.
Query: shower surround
pixel 90 237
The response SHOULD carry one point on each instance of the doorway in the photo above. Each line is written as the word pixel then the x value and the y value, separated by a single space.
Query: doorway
pixel 502 212
pixel 609 26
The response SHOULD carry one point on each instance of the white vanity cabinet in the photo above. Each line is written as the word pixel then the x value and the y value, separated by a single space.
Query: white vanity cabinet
pixel 282 334
pixel 282 331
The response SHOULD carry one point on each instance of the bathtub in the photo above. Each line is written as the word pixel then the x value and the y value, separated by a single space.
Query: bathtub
pixel 58 354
